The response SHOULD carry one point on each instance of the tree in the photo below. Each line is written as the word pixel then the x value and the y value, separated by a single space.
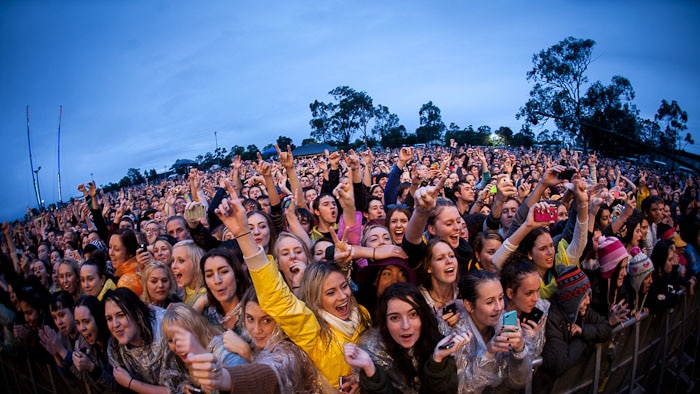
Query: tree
pixel 506 134
pixel 283 141
pixel 387 127
pixel 307 141
pixel 431 125
pixel 339 121
pixel 559 76
pixel 525 137
pixel 672 123
pixel 134 176
pixel 609 113
pixel 251 153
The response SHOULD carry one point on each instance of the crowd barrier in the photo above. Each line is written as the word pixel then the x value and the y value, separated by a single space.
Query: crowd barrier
pixel 654 354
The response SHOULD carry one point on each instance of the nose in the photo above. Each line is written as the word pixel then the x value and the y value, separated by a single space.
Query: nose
pixel 404 323
pixel 217 278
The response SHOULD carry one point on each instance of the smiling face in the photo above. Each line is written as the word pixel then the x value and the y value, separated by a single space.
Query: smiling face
pixel 31 316
pixel 163 252
pixel 260 229
pixel 377 236
pixel 183 267
pixel 525 297
pixel 117 250
pixel 447 226
pixel 443 265
pixel 397 226
pixel 220 279
pixel 123 329
pixel 158 285
pixel 259 324
pixel 64 321
pixel 335 296
pixel 403 323
pixel 86 324
pixel 487 309
pixel 67 278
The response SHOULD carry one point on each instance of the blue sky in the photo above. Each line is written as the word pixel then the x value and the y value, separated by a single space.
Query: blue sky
pixel 143 83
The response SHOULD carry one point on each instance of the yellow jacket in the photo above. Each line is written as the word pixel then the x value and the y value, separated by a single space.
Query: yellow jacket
pixel 298 321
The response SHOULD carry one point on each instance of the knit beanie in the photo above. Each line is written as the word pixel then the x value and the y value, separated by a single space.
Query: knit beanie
pixel 610 252
pixel 639 267
pixel 572 287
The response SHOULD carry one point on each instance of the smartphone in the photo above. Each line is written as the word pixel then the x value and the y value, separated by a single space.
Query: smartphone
pixel 448 345
pixel 615 193
pixel 493 189
pixel 567 174
pixel 196 390
pixel 452 308
pixel 143 246
pixel 535 315
pixel 547 216
pixel 510 318
pixel 195 213
pixel 342 381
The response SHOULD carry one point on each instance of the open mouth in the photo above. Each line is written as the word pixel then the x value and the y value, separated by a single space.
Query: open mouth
pixel 343 309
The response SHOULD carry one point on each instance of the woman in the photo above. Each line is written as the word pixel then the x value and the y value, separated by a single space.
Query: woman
pixel 406 352
pixel 263 229
pixel 439 276
pixel 159 285
pixel 667 281
pixel 522 284
pixel 94 280
pixel 497 354
pixel 152 229
pixel 42 270
pixel 122 253
pixel 373 279
pixel 89 358
pixel 485 246
pixel 319 249
pixel 69 277
pixel 607 290
pixel 323 319
pixel 163 249
pixel 33 299
pixel 396 221
pixel 292 256
pixel 639 280
pixel 136 350
pixel 225 281
pixel 188 275
pixel 187 331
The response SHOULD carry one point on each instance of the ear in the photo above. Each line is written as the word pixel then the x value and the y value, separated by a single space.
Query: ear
pixel 431 229
pixel 509 293
pixel 529 256
pixel 468 306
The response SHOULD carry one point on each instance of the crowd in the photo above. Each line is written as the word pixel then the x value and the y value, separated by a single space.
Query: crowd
pixel 408 271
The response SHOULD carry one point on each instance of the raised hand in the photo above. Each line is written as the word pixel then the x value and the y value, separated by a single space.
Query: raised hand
pixel 286 158
pixel 426 197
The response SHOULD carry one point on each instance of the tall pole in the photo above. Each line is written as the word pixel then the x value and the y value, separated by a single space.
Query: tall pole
pixel 31 165
pixel 60 194
pixel 216 142
pixel 38 189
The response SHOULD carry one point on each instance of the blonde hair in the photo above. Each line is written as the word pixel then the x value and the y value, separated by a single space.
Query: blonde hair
pixel 284 234
pixel 183 315
pixel 146 272
pixel 194 254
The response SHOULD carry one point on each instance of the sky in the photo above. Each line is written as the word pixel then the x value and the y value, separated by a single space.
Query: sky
pixel 144 83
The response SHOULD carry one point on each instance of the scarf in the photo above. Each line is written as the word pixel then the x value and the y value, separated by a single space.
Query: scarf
pixel 347 327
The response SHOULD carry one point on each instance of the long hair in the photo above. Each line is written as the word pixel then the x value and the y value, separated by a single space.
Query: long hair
pixel 129 240
pixel 134 309
pixel 659 254
pixel 275 250
pixel 98 314
pixel 312 292
pixel 424 278
pixel 242 279
pixel 270 225
pixel 250 296
pixel 429 333
pixel 183 315
pixel 146 272
pixel 194 254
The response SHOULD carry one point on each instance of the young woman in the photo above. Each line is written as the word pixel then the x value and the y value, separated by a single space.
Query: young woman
pixel 293 257
pixel 187 331
pixel 485 246
pixel 396 221
pixel 122 253
pixel 323 319
pixel 406 352
pixel 188 275
pixel 263 229
pixel 89 358
pixel 33 299
pixel 136 350
pixel 94 280
pixel 225 281
pixel 163 249
pixel 497 354
pixel 439 277
pixel 667 281
pixel 373 279
pixel 159 285
pixel 69 277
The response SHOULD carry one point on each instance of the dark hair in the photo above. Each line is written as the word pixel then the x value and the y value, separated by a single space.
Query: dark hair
pixel 37 296
pixel 660 253
pixel 317 201
pixel 100 265
pixel 469 282
pixel 136 310
pixel 59 300
pixel 128 237
pixel 514 272
pixel 429 333
pixel 233 260
pixel 646 203
pixel 528 242
pixel 98 313
pixel 424 278
pixel 270 225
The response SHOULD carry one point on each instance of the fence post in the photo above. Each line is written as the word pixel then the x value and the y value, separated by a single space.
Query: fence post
pixel 635 356
pixel 596 372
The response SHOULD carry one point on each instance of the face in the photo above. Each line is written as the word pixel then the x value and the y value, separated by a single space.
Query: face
pixel 31 316
pixel 159 217
pixel 525 297
pixel 508 213
pixel 388 276
pixel 67 279
pixel 162 252
pixel 117 251
pixel 39 270
pixel 54 258
pixel 123 329
pixel 86 324
pixel 375 210
pixel 178 230
pixel 656 212
pixel 335 296
pixel 443 264
pixel 327 210
pixel 623 271
pixel 562 213
pixel 584 304
pixel 378 192
pixel 152 231
pixel 254 193
pixel 259 324
pixel 43 252
pixel 670 261
pixel 397 226
pixel 378 236
pixel 64 321
pixel 260 229
pixel 466 193
pixel 90 280
pixel 220 279
pixel 488 249
pixel 290 255
pixel 448 226
pixel 320 250
pixel 646 283
pixel 542 253
pixel 182 267
pixel 488 306
pixel 403 323
pixel 158 285
pixel 310 195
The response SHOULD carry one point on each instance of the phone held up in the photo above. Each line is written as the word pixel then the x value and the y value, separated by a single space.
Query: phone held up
pixel 510 318
pixel 535 315
pixel 547 216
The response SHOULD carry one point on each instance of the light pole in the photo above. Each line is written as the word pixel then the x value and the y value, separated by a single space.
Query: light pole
pixel 38 189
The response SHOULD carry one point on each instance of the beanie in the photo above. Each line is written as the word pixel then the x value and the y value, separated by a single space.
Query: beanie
pixel 639 268
pixel 664 231
pixel 610 253
pixel 572 287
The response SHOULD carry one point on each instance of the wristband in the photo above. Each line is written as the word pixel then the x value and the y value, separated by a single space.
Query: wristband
pixel 129 386
pixel 241 235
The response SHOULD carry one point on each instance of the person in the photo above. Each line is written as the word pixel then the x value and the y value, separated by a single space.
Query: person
pixel 89 357
pixel 397 218
pixel 405 353
pixel 323 319
pixel 159 285
pixel 666 279
pixel 293 256
pixel 187 332
pixel 263 229
pixel 33 300
pixel 136 350
pixel 163 249
pixel 439 279
pixel 497 355
pixel 639 280
pixel 485 246
pixel 188 275
pixel 521 283
pixel 572 328
pixel 60 343
pixel 373 279
pixel 122 253
pixel 69 277
pixel 607 290
pixel 225 281
pixel 93 278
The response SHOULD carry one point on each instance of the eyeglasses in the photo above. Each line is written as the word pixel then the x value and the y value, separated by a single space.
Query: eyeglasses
pixel 398 206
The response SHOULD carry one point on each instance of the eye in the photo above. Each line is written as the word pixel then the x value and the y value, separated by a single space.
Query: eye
pixel 393 318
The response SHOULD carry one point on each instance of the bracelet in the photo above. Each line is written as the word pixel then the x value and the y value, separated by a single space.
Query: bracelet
pixel 241 235
pixel 129 386
pixel 581 206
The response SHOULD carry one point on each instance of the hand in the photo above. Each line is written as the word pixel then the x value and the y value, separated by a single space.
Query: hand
pixel 358 358
pixel 343 251
pixel 206 370
pixel 262 167
pixel 334 160
pixel 231 211
pixel 235 344
pixel 121 376
pixel 551 176
pixel 185 342
pixel 389 251
pixel 510 337
pixel 50 340
pixel 143 257
pixel 353 160
pixel 345 195
pixel 524 190
pixel 540 207
pixel 458 340
pixel 618 313
pixel 575 330
pixel 82 362
pixel 426 197
pixel 406 154
pixel 286 158
pixel 451 318
pixel 369 158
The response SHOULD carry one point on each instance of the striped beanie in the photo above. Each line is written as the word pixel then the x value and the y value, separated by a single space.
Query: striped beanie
pixel 610 252
pixel 639 268
pixel 572 286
